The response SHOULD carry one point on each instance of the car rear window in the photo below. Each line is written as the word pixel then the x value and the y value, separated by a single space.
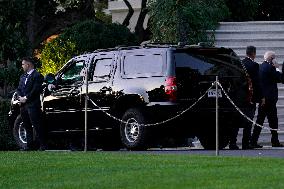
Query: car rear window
pixel 184 60
pixel 204 60
pixel 143 65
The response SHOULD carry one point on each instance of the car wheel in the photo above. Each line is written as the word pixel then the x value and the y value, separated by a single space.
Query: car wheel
pixel 19 132
pixel 111 141
pixel 208 139
pixel 133 135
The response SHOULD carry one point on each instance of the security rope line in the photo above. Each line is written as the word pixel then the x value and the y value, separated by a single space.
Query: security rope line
pixel 158 123
pixel 184 111
pixel 239 110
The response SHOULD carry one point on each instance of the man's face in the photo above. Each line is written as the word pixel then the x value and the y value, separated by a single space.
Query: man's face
pixel 253 56
pixel 26 65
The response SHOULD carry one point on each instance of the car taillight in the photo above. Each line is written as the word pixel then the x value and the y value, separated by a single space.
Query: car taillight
pixel 250 90
pixel 171 88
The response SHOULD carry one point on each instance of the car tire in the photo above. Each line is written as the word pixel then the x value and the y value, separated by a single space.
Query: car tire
pixel 133 136
pixel 208 138
pixel 19 133
pixel 111 141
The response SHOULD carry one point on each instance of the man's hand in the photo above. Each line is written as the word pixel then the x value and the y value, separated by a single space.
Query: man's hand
pixel 51 87
pixel 262 102
pixel 23 99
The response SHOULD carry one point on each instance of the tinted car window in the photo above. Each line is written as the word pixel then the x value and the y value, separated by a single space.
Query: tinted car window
pixel 102 70
pixel 143 65
pixel 73 73
pixel 185 60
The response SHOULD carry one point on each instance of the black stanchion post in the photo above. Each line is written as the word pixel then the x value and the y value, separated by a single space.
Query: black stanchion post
pixel 217 121
pixel 86 111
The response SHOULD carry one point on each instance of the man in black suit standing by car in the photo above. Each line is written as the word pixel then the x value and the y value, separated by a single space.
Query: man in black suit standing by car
pixel 269 77
pixel 252 69
pixel 29 90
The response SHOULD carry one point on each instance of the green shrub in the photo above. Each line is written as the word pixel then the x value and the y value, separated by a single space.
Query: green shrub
pixel 83 37
pixel 55 54
pixel 185 21
pixel 6 137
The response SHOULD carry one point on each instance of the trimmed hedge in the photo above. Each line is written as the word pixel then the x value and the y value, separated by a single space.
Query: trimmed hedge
pixel 6 136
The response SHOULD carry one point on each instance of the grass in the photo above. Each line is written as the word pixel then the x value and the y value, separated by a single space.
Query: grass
pixel 129 170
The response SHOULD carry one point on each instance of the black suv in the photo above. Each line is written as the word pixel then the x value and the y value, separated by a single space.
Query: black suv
pixel 144 85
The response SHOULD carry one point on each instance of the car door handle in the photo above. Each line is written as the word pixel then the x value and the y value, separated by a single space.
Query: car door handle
pixel 104 89
pixel 74 92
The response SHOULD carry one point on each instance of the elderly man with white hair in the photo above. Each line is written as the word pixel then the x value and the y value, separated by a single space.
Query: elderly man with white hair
pixel 269 77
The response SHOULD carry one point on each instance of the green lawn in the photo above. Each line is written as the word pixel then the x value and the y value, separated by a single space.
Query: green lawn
pixel 128 170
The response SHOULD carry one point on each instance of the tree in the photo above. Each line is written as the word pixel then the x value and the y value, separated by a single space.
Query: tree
pixel 83 37
pixel 142 33
pixel 126 21
pixel 242 10
pixel 270 10
pixel 185 20
pixel 25 24
pixel 261 10
pixel 14 42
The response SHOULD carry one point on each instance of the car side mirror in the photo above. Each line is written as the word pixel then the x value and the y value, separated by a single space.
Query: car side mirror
pixel 49 78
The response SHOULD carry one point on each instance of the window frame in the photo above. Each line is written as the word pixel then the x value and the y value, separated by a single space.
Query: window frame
pixel 67 68
pixel 146 74
pixel 94 64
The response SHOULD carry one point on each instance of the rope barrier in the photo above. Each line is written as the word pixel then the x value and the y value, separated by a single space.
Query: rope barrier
pixel 239 110
pixel 158 123
pixel 184 111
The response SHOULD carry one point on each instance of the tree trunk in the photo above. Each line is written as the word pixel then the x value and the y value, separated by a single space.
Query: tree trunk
pixel 126 21
pixel 31 26
pixel 139 28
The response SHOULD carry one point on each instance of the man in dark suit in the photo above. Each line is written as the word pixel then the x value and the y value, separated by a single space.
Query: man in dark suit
pixel 269 77
pixel 29 90
pixel 252 69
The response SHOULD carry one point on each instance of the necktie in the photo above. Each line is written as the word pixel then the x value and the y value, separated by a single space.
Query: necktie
pixel 26 78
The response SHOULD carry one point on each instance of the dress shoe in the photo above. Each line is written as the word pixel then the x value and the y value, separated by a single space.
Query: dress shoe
pixel 255 145
pixel 42 148
pixel 233 147
pixel 247 147
pixel 25 149
pixel 277 145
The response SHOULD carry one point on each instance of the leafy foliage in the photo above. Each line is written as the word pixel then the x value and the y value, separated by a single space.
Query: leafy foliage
pixel 24 24
pixel 6 139
pixel 12 35
pixel 242 10
pixel 250 10
pixel 14 43
pixel 83 37
pixel 270 10
pixel 55 54
pixel 185 21
pixel 9 75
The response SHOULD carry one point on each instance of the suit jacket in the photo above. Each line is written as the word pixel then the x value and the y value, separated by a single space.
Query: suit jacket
pixel 253 71
pixel 31 89
pixel 269 78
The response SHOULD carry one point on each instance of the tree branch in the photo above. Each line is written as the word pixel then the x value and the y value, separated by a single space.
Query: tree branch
pixel 139 28
pixel 126 21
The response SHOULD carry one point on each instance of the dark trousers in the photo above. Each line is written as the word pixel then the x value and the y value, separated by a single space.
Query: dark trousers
pixel 31 117
pixel 247 125
pixel 269 110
